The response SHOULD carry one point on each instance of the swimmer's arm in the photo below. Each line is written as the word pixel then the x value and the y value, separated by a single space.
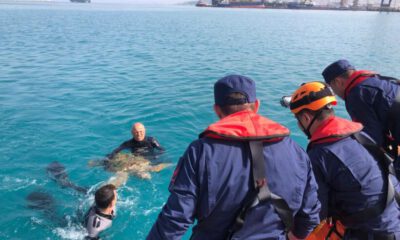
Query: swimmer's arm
pixel 121 147
pixel 157 145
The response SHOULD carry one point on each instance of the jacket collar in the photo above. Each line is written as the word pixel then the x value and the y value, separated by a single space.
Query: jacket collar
pixel 245 125
pixel 334 129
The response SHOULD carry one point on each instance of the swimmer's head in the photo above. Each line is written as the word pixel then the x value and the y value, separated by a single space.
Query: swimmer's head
pixel 138 131
pixel 106 197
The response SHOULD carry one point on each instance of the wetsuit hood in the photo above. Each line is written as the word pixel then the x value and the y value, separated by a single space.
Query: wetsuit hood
pixel 245 125
pixel 334 129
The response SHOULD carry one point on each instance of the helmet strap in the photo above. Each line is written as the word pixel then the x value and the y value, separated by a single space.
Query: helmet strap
pixel 307 130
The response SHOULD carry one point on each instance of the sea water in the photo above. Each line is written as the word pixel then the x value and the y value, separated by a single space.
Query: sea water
pixel 74 77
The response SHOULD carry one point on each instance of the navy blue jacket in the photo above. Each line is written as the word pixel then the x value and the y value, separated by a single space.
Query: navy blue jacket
pixel 350 180
pixel 369 102
pixel 212 179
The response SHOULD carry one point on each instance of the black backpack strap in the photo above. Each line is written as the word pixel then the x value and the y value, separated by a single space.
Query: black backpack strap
pixel 386 78
pixel 393 123
pixel 394 111
pixel 384 161
pixel 393 119
pixel 261 192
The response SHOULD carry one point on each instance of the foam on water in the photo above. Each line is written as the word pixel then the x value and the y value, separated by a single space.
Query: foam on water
pixel 152 210
pixel 37 221
pixel 71 232
pixel 11 184
pixel 127 202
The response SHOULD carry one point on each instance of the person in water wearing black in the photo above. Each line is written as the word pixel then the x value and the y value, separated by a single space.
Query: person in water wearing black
pixel 99 217
pixel 140 144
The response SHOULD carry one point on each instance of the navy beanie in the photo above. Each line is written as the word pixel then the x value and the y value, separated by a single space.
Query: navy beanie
pixel 336 69
pixel 234 84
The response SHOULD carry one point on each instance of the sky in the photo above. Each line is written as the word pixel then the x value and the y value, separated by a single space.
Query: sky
pixel 143 1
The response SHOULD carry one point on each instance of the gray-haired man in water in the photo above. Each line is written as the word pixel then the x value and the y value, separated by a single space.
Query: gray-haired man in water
pixel 140 144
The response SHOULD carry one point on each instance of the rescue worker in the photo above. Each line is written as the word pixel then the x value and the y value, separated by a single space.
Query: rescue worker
pixel 100 215
pixel 217 179
pixel 140 144
pixel 372 100
pixel 353 185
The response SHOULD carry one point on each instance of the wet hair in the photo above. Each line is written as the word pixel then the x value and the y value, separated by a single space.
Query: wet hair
pixel 325 113
pixel 238 97
pixel 104 196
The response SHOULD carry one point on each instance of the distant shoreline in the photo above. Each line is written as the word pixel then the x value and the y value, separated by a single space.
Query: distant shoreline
pixel 191 4
pixel 295 6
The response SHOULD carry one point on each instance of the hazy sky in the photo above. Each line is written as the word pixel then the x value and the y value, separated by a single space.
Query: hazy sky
pixel 142 1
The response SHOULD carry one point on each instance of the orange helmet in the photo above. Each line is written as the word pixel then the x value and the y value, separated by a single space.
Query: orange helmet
pixel 312 96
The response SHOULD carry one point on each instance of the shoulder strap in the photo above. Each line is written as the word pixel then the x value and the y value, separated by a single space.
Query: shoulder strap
pixel 395 108
pixel 261 192
pixel 384 159
pixel 386 78
pixel 384 162
pixel 392 120
pixel 260 183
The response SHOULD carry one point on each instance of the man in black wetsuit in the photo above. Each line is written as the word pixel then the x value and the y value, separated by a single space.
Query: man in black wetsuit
pixel 139 144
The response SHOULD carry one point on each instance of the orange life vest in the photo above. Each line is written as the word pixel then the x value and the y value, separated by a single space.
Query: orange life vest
pixel 327 230
pixel 356 78
pixel 333 129
pixel 245 126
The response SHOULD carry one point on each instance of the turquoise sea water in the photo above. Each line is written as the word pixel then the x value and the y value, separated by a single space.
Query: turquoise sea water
pixel 73 78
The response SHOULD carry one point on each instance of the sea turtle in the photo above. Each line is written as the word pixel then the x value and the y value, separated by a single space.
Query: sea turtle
pixel 130 164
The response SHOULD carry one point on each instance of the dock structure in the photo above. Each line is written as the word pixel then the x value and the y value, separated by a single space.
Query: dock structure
pixel 343 5
pixel 385 4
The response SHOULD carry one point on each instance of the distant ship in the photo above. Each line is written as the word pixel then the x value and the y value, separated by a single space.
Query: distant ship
pixel 239 3
pixel 80 1
pixel 300 5
pixel 202 4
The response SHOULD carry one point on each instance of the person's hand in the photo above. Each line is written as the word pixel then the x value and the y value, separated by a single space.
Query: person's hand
pixel 291 236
